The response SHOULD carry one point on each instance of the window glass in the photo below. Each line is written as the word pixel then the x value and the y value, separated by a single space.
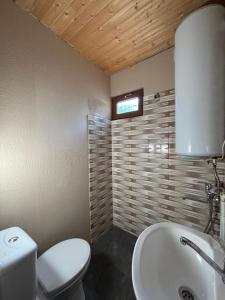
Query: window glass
pixel 126 106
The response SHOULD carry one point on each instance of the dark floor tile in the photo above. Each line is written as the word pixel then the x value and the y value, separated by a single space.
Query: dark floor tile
pixel 109 273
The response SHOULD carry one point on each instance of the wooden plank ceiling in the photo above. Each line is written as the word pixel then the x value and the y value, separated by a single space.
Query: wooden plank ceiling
pixel 114 34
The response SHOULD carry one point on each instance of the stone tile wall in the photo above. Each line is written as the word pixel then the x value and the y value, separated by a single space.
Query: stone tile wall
pixel 100 175
pixel 150 183
pixel 134 168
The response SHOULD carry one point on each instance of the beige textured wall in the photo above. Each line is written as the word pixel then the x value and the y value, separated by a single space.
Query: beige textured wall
pixel 46 90
pixel 154 75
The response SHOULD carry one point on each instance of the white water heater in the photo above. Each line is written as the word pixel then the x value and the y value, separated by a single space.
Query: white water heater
pixel 200 83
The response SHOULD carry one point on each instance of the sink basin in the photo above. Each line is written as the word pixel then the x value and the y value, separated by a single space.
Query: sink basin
pixel 164 269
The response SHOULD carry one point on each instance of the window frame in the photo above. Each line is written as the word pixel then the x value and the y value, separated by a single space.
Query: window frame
pixel 114 100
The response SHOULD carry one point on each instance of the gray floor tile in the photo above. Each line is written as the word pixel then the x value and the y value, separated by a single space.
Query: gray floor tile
pixel 109 273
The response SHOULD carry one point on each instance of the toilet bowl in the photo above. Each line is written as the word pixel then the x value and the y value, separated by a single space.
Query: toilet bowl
pixel 57 274
pixel 60 270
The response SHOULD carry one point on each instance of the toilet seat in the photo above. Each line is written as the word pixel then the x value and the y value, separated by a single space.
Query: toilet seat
pixel 62 264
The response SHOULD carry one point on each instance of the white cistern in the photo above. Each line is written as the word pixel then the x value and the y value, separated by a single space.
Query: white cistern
pixel 57 274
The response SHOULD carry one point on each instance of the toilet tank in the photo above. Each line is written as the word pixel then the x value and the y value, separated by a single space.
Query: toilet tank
pixel 18 255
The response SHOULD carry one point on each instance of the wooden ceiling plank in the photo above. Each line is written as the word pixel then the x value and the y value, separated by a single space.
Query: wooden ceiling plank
pixel 147 24
pixel 170 43
pixel 88 14
pixel 166 22
pixel 55 11
pixel 129 41
pixel 131 51
pixel 140 37
pixel 25 4
pixel 111 27
pixel 114 34
pixel 128 35
pixel 101 19
pixel 144 53
pixel 71 13
pixel 40 7
pixel 127 30
pixel 167 33
pixel 117 67
pixel 127 51
pixel 62 22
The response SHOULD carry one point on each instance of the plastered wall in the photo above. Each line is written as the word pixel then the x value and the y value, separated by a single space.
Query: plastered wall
pixel 46 92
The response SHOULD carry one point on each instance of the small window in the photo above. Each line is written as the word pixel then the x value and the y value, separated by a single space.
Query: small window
pixel 128 105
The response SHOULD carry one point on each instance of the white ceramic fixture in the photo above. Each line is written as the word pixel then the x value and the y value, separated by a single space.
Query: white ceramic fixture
pixel 60 270
pixel 18 254
pixel 56 275
pixel 164 269
pixel 200 83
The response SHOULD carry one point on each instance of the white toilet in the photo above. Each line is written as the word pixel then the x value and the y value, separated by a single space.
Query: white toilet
pixel 61 268
pixel 57 274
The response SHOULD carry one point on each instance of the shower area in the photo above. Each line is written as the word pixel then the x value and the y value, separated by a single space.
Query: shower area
pixel 135 177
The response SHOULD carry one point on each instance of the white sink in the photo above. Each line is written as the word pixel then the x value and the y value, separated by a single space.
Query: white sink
pixel 163 268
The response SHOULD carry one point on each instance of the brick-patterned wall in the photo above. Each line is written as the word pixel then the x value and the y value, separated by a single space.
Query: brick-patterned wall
pixel 150 183
pixel 100 175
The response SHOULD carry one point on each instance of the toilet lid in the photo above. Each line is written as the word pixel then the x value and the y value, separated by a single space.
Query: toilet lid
pixel 61 263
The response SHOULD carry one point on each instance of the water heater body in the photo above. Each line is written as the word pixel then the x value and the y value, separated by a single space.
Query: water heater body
pixel 18 255
pixel 200 83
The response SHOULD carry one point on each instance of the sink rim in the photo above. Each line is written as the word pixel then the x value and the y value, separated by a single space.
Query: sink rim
pixel 136 260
